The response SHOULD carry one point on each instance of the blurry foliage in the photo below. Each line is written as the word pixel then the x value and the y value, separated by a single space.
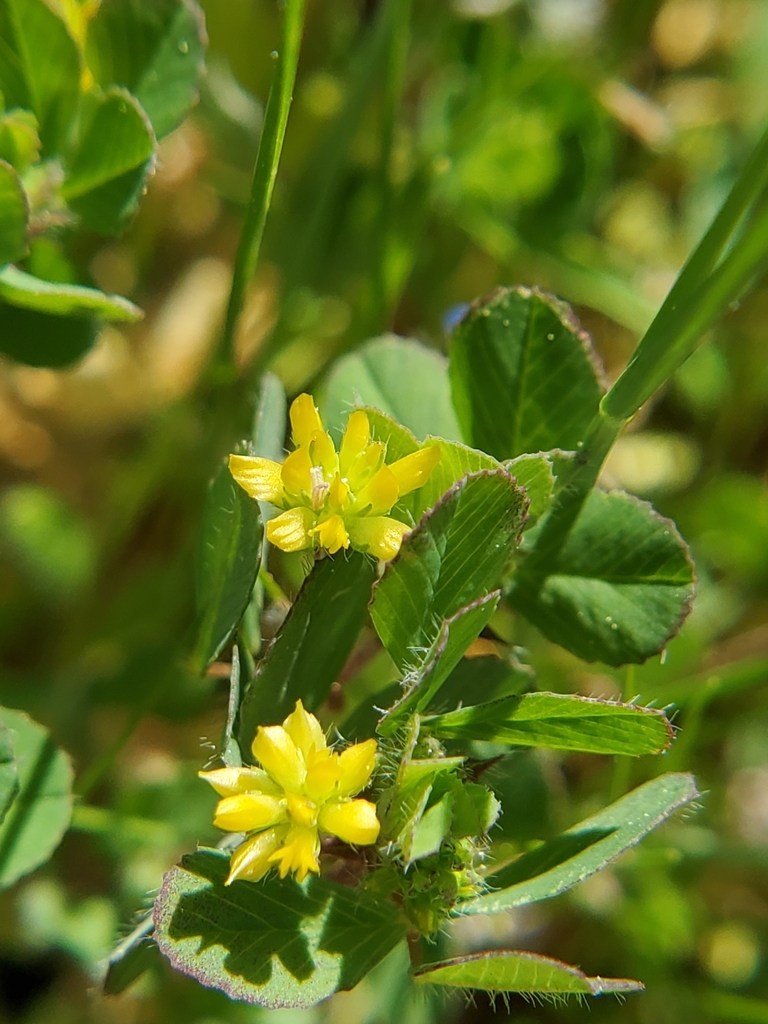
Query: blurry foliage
pixel 580 146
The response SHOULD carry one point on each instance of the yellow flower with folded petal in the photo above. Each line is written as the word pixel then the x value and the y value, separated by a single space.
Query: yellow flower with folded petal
pixel 333 499
pixel 302 789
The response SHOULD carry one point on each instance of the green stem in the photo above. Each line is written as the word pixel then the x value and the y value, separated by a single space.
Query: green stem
pixel 265 169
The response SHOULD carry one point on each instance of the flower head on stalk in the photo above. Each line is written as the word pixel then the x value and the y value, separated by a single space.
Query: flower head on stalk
pixel 333 499
pixel 302 789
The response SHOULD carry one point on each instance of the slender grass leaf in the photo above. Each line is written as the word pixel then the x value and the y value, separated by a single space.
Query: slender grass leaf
pixel 313 644
pixel 44 339
pixel 22 289
pixel 524 375
pixel 455 636
pixel 14 211
pixel 535 474
pixel 456 555
pixel 39 816
pixel 275 943
pixel 402 378
pixel 620 587
pixel 9 773
pixel 108 172
pixel 561 863
pixel 503 970
pixel 40 68
pixel 558 722
pixel 228 559
pixel 156 49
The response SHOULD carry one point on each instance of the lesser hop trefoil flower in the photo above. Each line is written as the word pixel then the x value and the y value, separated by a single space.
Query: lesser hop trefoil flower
pixel 302 789
pixel 333 499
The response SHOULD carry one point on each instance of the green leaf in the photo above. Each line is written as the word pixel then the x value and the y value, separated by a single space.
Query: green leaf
pixel 109 170
pixel 620 587
pixel 524 375
pixel 455 636
pixel 456 555
pixel 39 68
pixel 400 441
pixel 403 805
pixel 486 678
pixel 456 460
pixel 427 836
pixel 19 141
pixel 13 215
pixel 535 474
pixel 274 943
pixel 402 378
pixel 228 559
pixel 21 289
pixel 270 418
pixel 9 774
pixel 156 49
pixel 561 863
pixel 503 970
pixel 313 644
pixel 559 722
pixel 39 816
pixel 44 339
pixel 131 957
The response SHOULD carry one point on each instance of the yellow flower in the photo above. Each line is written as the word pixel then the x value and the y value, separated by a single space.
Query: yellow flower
pixel 302 789
pixel 333 499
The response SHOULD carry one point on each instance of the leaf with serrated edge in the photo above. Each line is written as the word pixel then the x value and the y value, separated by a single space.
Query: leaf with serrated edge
pixel 456 554
pixel 502 970
pixel 620 588
pixel 535 474
pixel 524 375
pixel 39 816
pixel 562 862
pixel 275 943
pixel 558 722
pixel 399 376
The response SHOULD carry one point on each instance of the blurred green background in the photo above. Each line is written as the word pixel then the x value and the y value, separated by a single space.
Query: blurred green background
pixel 579 145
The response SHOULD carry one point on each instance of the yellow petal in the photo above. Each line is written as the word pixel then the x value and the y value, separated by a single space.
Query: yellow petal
pixel 296 473
pixel 356 436
pixel 231 781
pixel 378 535
pixel 290 531
pixel 261 478
pixel 279 756
pixel 322 775
pixel 305 419
pixel 252 859
pixel 301 810
pixel 380 493
pixel 299 854
pixel 305 731
pixel 354 821
pixel 365 465
pixel 338 494
pixel 332 534
pixel 356 764
pixel 248 811
pixel 413 471
pixel 323 452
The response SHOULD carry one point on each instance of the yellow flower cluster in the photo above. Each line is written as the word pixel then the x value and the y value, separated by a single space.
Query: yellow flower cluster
pixel 302 788
pixel 334 499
